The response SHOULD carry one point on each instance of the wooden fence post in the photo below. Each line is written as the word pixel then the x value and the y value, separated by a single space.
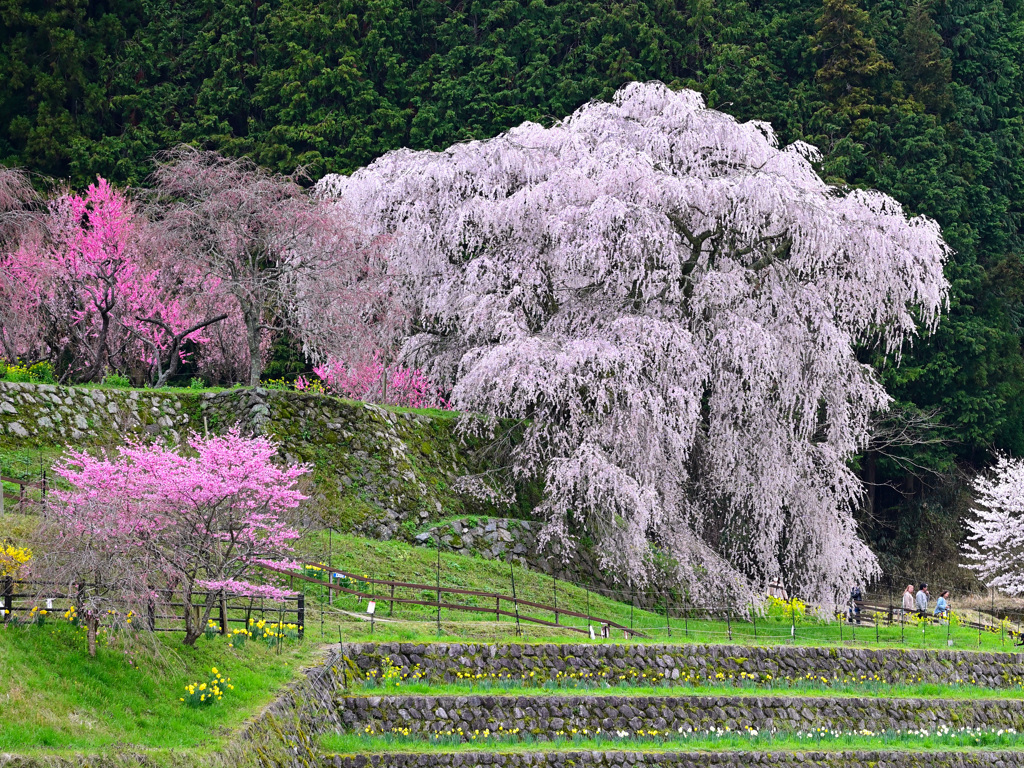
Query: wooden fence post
pixel 8 591
pixel 223 613
pixel 302 614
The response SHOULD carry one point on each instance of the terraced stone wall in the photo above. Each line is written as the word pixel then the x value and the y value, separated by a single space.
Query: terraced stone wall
pixel 879 759
pixel 440 662
pixel 547 716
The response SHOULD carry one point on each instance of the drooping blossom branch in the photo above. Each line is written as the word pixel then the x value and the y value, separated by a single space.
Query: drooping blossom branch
pixel 668 303
pixel 281 260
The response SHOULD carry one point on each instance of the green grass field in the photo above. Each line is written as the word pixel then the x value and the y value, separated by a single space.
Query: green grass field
pixel 651 741
pixel 397 561
pixel 53 696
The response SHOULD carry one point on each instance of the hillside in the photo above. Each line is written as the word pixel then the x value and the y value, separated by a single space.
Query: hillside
pixel 920 101
pixel 374 470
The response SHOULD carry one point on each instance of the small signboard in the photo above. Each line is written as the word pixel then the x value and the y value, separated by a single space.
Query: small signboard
pixel 592 633
pixel 371 607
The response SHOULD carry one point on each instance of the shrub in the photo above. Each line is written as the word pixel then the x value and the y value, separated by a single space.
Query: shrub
pixel 42 373
pixel 12 559
pixel 116 380
pixel 196 383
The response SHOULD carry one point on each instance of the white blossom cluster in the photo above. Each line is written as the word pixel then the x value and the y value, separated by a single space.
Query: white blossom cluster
pixel 669 303
pixel 995 542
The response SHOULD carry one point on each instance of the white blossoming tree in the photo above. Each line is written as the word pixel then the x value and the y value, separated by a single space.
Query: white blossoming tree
pixel 995 541
pixel 669 303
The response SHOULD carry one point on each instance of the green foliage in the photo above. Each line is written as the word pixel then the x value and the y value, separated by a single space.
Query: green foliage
pixel 116 380
pixel 37 373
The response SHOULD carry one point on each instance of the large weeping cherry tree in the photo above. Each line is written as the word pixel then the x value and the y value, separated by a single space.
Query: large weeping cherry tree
pixel 669 303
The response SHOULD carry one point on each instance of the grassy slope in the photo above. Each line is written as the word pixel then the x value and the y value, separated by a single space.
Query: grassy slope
pixel 401 562
pixel 52 695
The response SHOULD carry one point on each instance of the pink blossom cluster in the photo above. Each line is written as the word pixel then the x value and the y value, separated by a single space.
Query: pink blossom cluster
pixel 375 382
pixel 221 258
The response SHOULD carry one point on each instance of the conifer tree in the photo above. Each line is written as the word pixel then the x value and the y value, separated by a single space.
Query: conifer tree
pixel 852 69
pixel 925 68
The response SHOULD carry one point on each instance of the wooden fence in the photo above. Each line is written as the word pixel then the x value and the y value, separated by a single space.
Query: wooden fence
pixel 22 501
pixel 498 611
pixel 876 614
pixel 164 614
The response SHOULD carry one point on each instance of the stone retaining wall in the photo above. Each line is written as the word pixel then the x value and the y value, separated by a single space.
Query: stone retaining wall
pixel 547 716
pixel 874 759
pixel 43 414
pixel 442 662
pixel 377 472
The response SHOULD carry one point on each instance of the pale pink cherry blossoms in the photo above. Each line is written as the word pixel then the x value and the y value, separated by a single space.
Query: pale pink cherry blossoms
pixel 281 260
pixel 670 302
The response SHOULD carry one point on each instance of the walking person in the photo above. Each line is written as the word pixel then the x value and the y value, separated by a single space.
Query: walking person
pixel 921 600
pixel 908 600
pixel 942 605
pixel 853 609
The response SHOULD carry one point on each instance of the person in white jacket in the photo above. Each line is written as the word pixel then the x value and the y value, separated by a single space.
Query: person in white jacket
pixel 908 599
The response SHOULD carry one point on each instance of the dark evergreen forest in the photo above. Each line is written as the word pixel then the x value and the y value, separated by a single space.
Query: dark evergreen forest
pixel 919 99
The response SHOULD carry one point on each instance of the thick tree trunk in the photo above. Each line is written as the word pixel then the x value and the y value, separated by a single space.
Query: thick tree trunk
pixel 252 325
pixel 101 348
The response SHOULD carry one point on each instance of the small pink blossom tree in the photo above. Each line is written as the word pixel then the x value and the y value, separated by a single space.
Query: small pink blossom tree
pixel 995 541
pixel 151 522
pixel 670 302
pixel 375 382
pixel 95 269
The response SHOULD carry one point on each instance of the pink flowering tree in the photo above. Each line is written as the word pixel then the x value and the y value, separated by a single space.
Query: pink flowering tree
pixel 670 302
pixel 94 285
pixel 281 260
pixel 20 225
pixel 995 540
pixel 376 382
pixel 150 523
pixel 94 271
